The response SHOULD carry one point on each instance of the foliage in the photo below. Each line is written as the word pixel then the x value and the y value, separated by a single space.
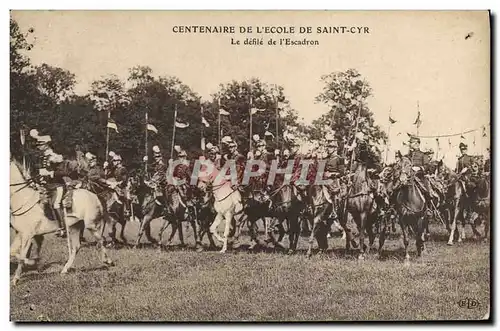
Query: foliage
pixel 346 93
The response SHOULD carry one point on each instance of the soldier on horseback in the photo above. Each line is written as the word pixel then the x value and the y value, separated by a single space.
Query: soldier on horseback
pixel 465 161
pixel 334 169
pixel 116 179
pixel 46 180
pixel 421 162
pixel 159 179
pixel 181 172
pixel 95 178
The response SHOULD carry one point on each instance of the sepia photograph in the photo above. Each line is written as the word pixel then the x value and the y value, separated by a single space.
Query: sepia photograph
pixel 250 166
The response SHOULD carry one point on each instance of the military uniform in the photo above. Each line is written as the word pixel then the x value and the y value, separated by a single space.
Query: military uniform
pixel 421 160
pixel 159 177
pixel 50 176
pixel 464 161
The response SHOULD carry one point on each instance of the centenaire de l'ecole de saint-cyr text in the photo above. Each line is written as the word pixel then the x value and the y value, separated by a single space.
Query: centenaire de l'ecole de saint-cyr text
pixel 272 30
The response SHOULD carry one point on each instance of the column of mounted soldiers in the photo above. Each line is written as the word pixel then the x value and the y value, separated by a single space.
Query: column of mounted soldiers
pixel 59 176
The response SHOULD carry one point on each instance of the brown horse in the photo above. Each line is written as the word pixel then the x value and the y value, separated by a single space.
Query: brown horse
pixel 359 203
pixel 145 207
pixel 471 194
pixel 287 207
pixel 410 204
pixel 177 212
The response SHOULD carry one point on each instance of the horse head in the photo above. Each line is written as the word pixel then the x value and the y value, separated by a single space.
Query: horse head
pixel 403 174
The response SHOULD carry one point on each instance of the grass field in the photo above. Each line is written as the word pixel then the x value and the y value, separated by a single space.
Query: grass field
pixel 182 285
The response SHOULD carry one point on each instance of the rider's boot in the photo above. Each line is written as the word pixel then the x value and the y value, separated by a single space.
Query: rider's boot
pixel 61 232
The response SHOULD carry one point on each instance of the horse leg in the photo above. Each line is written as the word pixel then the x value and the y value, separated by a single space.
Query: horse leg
pixel 371 237
pixel 420 239
pixel 381 241
pixel 360 220
pixel 122 233
pixel 228 218
pixel 164 226
pixel 175 227
pixel 293 233
pixel 197 239
pixel 73 245
pixel 406 239
pixel 454 223
pixel 313 234
pixel 38 241
pixel 112 234
pixel 100 243
pixel 144 227
pixel 215 224
pixel 252 229
pixel 24 248
pixel 486 226
pixel 181 232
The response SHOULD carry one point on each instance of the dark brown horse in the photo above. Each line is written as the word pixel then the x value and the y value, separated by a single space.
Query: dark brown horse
pixel 177 212
pixel 410 204
pixel 287 207
pixel 360 203
pixel 471 194
pixel 145 207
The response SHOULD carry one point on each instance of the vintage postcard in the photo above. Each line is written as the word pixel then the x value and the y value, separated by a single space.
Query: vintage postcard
pixel 250 166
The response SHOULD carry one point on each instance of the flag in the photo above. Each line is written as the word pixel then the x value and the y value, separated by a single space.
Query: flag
pixel 462 136
pixel 255 110
pixel 418 121
pixel 223 112
pixel 112 125
pixel 437 142
pixel 151 127
pixel 181 125
pixel 391 120
pixel 204 122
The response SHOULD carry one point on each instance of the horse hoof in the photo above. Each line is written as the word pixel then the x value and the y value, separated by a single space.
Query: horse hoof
pixel 450 243
pixel 222 251
pixel 64 272
pixel 109 263
pixel 14 282
pixel 361 257
pixel 199 249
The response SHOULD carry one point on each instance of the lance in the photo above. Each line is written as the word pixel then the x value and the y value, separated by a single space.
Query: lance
pixel 146 145
pixel 277 117
pixel 250 140
pixel 388 144
pixel 202 142
pixel 173 134
pixel 437 148
pixel 107 134
pixel 418 119
pixel 218 125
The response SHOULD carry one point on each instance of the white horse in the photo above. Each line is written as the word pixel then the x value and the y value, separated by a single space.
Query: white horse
pixel 227 204
pixel 29 221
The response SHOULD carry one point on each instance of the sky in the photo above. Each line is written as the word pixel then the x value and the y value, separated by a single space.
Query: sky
pixel 408 58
